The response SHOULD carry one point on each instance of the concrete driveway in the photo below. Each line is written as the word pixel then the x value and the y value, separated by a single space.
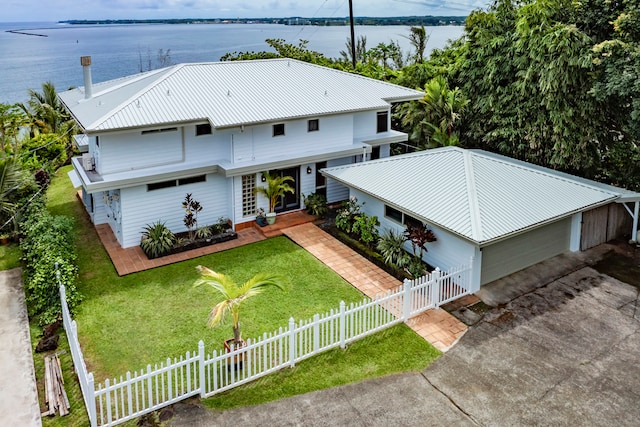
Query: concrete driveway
pixel 565 351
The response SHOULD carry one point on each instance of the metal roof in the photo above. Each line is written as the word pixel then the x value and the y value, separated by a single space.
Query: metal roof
pixel 480 196
pixel 229 94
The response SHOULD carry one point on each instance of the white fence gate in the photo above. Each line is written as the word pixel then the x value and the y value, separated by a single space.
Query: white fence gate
pixel 118 400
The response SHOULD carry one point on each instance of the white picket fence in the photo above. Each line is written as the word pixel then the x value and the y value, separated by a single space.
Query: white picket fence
pixel 198 373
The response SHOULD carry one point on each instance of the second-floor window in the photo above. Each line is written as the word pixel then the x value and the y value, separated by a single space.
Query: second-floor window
pixel 383 121
pixel 204 129
pixel 278 129
pixel 313 125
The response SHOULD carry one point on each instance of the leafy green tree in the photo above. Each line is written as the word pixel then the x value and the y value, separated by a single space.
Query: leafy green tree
pixel 12 120
pixel 361 50
pixel 234 295
pixel 528 70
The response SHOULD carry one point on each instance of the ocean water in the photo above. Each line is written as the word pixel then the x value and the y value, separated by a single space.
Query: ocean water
pixel 117 50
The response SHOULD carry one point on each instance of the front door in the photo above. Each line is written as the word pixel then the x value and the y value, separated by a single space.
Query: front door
pixel 289 201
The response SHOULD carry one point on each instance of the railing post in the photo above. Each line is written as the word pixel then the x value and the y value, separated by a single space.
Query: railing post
pixel 90 401
pixel 406 295
pixel 435 296
pixel 203 388
pixel 342 325
pixel 292 342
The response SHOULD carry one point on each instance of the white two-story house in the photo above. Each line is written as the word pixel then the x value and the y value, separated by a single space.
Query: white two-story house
pixel 212 129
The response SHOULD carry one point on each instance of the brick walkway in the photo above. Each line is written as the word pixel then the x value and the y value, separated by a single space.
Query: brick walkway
pixel 437 326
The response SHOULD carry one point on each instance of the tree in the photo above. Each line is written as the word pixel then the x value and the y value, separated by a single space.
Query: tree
pixel 11 178
pixel 418 38
pixel 12 119
pixel 361 50
pixel 528 70
pixel 276 187
pixel 431 120
pixel 234 295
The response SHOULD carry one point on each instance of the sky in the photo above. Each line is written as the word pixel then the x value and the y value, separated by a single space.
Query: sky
pixel 57 10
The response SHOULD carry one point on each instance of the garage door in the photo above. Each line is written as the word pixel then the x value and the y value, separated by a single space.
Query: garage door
pixel 516 253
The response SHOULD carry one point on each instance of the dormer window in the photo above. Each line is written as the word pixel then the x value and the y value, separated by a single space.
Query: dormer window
pixel 383 121
pixel 204 129
pixel 278 129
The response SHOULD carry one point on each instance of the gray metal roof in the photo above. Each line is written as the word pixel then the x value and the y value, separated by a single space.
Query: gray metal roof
pixel 480 196
pixel 229 94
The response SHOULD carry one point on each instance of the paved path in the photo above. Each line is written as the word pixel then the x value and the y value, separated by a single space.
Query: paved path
pixel 18 392
pixel 437 326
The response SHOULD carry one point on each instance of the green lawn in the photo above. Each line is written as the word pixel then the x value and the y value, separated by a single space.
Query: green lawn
pixel 10 256
pixel 128 322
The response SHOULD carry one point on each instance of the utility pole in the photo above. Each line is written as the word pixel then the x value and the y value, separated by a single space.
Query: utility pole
pixel 353 35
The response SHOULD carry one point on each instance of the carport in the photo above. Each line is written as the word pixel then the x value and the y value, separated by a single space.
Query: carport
pixel 498 213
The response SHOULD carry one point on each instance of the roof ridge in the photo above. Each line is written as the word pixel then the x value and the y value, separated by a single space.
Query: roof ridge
pixel 474 209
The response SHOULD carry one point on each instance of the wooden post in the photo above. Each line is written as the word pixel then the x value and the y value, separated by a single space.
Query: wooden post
pixel 435 296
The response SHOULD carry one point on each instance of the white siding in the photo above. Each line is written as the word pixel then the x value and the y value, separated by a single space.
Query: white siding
pixel 206 148
pixel 447 252
pixel 335 191
pixel 365 123
pixel 129 151
pixel 258 142
pixel 141 207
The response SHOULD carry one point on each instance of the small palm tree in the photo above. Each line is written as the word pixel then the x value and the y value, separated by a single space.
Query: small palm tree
pixel 276 187
pixel 234 295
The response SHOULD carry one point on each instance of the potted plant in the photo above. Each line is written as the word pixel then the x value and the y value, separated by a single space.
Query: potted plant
pixel 4 239
pixel 276 187
pixel 261 219
pixel 234 296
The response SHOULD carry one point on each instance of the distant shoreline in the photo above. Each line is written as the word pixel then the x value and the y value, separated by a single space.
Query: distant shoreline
pixel 429 21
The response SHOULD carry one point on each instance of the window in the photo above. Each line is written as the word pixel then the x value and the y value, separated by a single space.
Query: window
pixel 313 125
pixel 161 185
pixel 248 196
pixel 383 119
pixel 278 130
pixel 176 182
pixel 393 214
pixel 192 180
pixel 204 129
pixel 401 217
pixel 375 153
pixel 146 132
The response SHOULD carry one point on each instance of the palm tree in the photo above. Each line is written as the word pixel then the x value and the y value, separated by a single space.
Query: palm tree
pixel 234 295
pixel 11 177
pixel 276 188
pixel 431 120
pixel 361 49
pixel 418 38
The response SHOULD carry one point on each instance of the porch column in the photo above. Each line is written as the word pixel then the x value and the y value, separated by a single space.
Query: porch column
pixel 634 231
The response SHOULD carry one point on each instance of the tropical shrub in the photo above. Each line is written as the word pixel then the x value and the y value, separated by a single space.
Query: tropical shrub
pixel 365 228
pixel 277 186
pixel 419 235
pixel 192 207
pixel 316 204
pixel 347 215
pixel 204 232
pixel 46 151
pixel 391 247
pixel 221 226
pixel 48 242
pixel 157 240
